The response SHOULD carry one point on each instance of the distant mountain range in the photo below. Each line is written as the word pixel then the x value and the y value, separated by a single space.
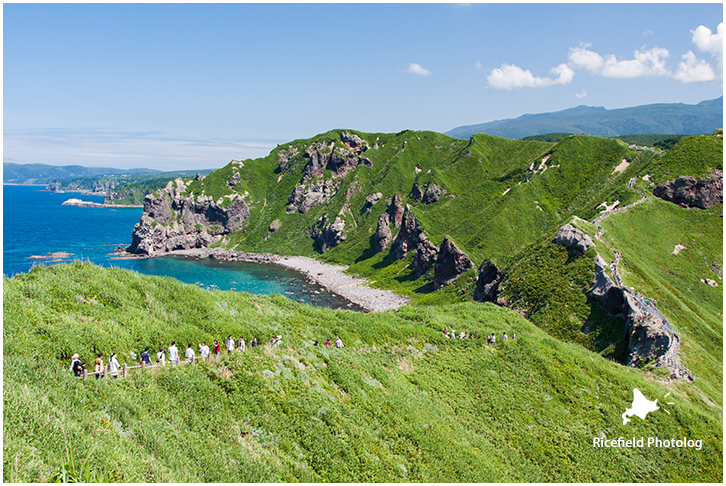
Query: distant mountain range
pixel 45 174
pixel 668 118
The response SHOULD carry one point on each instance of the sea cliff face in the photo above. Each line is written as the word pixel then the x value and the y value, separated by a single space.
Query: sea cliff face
pixel 174 220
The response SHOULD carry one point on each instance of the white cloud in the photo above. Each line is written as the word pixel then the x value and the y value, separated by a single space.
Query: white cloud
pixel 707 41
pixel 510 77
pixel 692 69
pixel 414 68
pixel 645 63
pixel 581 94
pixel 582 57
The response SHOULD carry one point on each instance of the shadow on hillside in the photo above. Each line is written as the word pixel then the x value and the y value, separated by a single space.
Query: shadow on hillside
pixel 608 333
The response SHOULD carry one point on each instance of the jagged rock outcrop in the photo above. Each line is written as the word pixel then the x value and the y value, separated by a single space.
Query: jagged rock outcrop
pixel 433 194
pixel 395 210
pixel 575 241
pixel 408 237
pixel 413 237
pixel 426 254
pixel 690 192
pixel 328 235
pixel 450 263
pixel 416 192
pixel 487 283
pixel 608 295
pixel 383 235
pixel 173 221
pixel 652 341
pixel 234 180
pixel 353 141
pixel 339 160
pixel 304 197
pixel 284 156
pixel 371 200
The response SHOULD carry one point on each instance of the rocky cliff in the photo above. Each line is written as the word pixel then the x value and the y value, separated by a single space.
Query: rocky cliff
pixel 173 220
pixel 690 192
pixel 650 338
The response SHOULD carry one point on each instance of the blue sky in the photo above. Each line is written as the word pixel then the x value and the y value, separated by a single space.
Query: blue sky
pixel 187 86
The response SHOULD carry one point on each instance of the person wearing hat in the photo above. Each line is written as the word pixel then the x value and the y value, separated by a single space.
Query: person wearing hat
pixel 279 340
pixel 77 365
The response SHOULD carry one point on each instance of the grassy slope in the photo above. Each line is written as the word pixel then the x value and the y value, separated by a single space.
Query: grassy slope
pixel 514 229
pixel 400 402
pixel 646 236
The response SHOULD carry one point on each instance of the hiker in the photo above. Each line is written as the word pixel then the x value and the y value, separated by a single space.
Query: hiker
pixel 494 338
pixel 453 334
pixel 462 335
pixel 77 365
pixel 98 365
pixel 278 341
pixel 514 336
pixel 316 343
pixel 190 353
pixel 230 344
pixel 327 342
pixel 173 353
pixel 160 357
pixel 446 332
pixel 241 344
pixel 254 343
pixel 504 337
pixel 145 358
pixel 338 342
pixel 204 350
pixel 113 365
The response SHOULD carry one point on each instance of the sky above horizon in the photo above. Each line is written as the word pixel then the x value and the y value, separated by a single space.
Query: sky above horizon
pixel 193 86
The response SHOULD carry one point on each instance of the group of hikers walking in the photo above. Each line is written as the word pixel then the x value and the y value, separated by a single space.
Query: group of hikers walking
pixel 451 334
pixel 190 355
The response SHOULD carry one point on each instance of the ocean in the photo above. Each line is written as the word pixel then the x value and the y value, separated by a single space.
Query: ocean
pixel 35 224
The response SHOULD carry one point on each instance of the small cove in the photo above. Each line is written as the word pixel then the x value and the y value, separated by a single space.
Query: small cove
pixel 35 223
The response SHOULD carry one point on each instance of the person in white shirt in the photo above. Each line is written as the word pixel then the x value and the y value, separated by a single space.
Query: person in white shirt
pixel 230 344
pixel 161 357
pixel 338 342
pixel 190 353
pixel 113 365
pixel 203 350
pixel 241 344
pixel 173 353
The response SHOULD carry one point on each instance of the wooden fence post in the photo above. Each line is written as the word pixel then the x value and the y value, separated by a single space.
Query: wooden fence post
pixel 125 373
pixel 85 373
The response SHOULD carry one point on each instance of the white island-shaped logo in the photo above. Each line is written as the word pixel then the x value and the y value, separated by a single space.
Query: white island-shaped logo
pixel 641 406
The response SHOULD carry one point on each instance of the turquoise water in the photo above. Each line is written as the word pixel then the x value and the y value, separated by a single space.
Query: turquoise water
pixel 36 223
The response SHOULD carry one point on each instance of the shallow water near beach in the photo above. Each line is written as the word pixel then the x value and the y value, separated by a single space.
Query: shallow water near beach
pixel 35 224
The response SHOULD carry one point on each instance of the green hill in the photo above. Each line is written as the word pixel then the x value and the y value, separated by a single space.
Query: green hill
pixel 399 403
